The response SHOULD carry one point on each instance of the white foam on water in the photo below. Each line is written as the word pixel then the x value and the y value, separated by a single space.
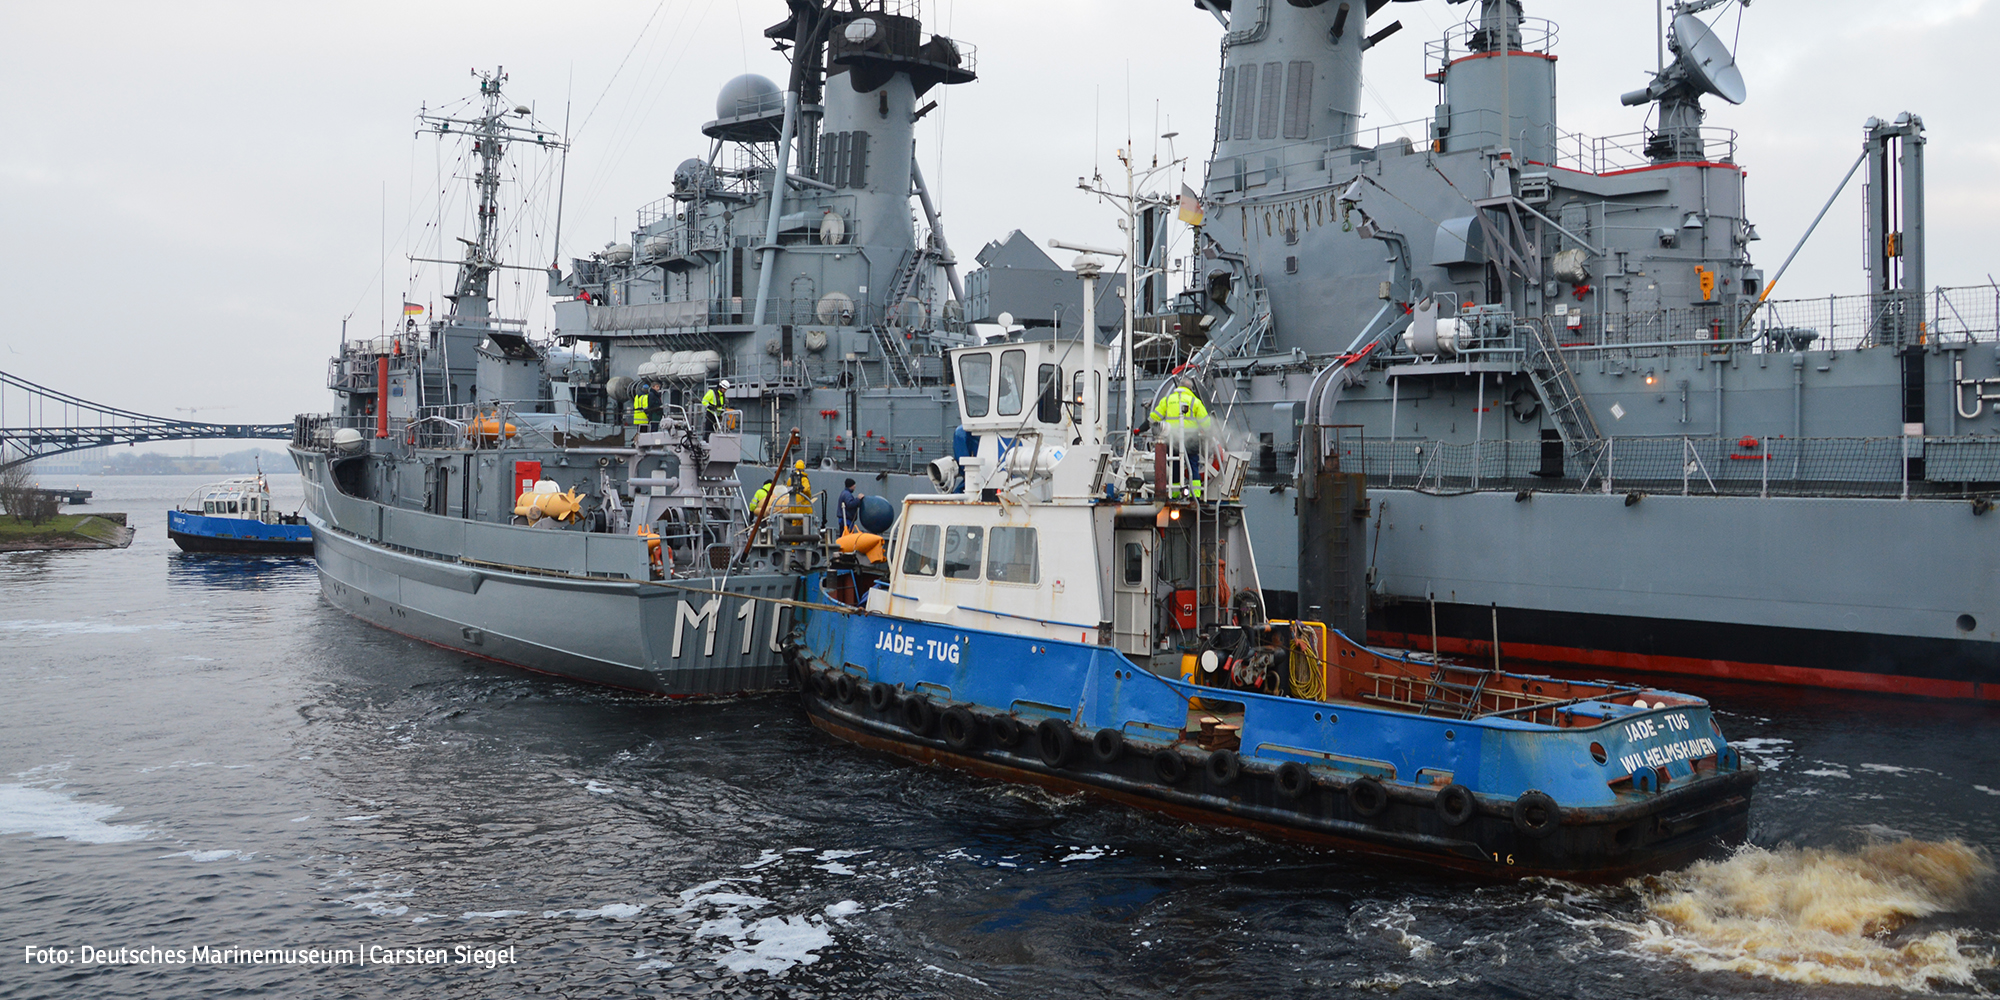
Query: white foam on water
pixel 1083 854
pixel 961 975
pixel 43 812
pixel 360 819
pixel 772 945
pixel 1770 752
pixel 208 855
pixel 844 908
pixel 768 857
pixel 1894 769
pixel 596 787
pixel 835 868
pixel 1811 915
pixel 610 911
pixel 1394 982
pixel 1989 791
pixel 376 902
pixel 491 914
pixel 1827 772
pixel 1393 925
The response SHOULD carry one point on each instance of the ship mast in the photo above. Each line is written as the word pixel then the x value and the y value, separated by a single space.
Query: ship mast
pixel 491 132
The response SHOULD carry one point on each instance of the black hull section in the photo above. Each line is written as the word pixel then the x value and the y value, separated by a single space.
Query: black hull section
pixel 1665 831
pixel 1856 661
pixel 239 546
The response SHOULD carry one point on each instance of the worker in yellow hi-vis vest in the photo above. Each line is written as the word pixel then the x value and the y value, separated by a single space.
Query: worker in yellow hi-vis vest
pixel 1180 414
pixel 1181 419
pixel 642 407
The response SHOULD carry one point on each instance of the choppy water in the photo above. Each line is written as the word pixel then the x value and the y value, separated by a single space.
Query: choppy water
pixel 197 752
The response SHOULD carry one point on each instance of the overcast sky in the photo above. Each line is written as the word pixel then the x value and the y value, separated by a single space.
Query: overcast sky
pixel 193 195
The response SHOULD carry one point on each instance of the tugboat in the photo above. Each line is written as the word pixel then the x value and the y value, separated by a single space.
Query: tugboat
pixel 235 516
pixel 1065 615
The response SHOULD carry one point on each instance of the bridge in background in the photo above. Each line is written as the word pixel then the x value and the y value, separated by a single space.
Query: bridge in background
pixel 39 422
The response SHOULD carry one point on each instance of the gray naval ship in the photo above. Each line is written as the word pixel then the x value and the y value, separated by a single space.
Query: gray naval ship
pixel 491 494
pixel 1579 411
pixel 1587 431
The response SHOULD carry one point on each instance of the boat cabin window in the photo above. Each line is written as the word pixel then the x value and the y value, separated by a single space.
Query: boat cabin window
pixel 961 551
pixel 1010 558
pixel 920 555
pixel 1013 376
pixel 975 378
pixel 232 506
pixel 1135 563
pixel 208 507
pixel 1048 389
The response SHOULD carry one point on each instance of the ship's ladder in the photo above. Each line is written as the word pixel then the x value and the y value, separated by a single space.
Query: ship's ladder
pixel 1454 690
pixel 1556 385
pixel 895 354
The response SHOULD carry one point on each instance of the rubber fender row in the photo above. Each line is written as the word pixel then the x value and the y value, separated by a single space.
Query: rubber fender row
pixel 1534 813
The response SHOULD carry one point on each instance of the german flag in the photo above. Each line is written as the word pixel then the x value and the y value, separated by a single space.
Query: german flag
pixel 1191 211
pixel 412 309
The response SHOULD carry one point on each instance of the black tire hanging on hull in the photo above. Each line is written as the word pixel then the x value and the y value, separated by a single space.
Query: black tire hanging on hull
pixel 1055 741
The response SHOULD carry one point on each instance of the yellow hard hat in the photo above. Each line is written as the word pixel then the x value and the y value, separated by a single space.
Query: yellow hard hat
pixel 800 464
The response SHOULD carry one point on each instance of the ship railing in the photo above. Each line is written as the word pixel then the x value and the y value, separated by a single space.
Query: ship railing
pixel 677 318
pixel 1941 317
pixel 1931 467
pixel 1535 34
pixel 315 430
pixel 1610 154
pixel 1467 698
pixel 485 426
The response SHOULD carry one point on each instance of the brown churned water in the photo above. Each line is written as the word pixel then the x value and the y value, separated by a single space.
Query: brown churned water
pixel 1814 915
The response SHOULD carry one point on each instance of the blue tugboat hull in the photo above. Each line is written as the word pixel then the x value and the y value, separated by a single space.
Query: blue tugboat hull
pixel 238 535
pixel 1498 797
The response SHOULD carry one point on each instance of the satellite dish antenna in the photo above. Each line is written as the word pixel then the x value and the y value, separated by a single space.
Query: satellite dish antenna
pixel 1708 63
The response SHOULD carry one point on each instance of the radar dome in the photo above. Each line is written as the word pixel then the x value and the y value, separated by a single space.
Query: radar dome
pixel 748 94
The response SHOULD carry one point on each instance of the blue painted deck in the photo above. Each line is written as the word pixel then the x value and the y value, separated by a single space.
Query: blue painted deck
pixel 1097 687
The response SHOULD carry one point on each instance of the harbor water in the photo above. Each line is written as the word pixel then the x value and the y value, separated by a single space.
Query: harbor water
pixel 210 780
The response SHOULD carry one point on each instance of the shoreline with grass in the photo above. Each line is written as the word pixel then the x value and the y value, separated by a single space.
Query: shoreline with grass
pixel 65 531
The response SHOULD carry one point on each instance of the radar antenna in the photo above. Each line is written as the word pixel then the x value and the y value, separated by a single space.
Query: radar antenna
pixel 1702 64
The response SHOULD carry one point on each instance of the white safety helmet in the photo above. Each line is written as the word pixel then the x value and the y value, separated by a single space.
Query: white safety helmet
pixel 724 385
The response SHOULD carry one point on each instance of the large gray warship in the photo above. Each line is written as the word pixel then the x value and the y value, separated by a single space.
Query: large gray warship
pixel 489 493
pixel 1588 432
pixel 1576 406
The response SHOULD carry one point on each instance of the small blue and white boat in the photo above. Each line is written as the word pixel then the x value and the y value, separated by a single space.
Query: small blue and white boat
pixel 1070 617
pixel 236 516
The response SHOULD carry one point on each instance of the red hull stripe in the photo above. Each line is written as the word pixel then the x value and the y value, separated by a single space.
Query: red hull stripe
pixel 1768 673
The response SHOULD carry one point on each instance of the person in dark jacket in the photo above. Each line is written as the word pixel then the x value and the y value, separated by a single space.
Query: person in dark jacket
pixel 850 508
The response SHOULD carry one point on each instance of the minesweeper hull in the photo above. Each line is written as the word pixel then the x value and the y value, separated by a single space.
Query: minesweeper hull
pixel 1341 776
pixel 415 574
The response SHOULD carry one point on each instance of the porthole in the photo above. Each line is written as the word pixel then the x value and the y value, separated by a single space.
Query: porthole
pixel 1597 753
pixel 1967 623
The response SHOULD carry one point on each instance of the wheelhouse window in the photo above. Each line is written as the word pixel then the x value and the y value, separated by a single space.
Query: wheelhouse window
pixel 1011 557
pixel 975 379
pixel 920 555
pixel 962 544
pixel 1013 378
pixel 1135 563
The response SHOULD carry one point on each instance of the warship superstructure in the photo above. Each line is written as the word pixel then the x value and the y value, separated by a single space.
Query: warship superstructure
pixel 1576 404
pixel 499 495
